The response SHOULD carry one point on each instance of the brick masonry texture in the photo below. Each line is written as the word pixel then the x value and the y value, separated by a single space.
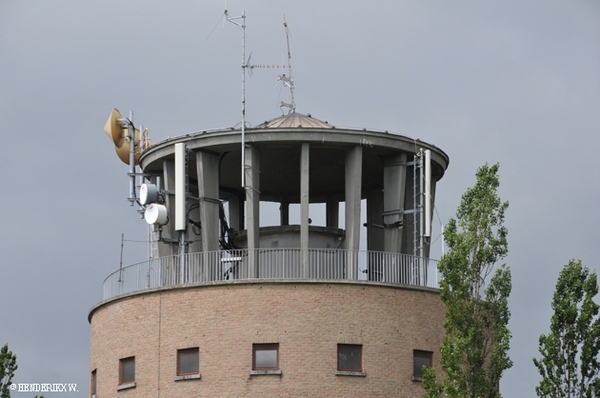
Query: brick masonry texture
pixel 308 320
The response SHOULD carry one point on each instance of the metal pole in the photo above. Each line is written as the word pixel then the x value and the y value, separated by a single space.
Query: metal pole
pixel 244 100
pixel 428 201
pixel 131 130
pixel 121 262
pixel 421 194
pixel 415 207
pixel 182 256
pixel 244 66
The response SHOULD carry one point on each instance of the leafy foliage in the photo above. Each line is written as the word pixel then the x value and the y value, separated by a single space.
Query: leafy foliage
pixel 571 351
pixel 8 365
pixel 474 352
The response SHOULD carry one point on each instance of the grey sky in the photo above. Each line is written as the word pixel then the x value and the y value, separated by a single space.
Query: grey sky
pixel 511 82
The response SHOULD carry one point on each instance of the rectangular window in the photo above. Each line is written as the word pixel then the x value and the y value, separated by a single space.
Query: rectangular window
pixel 265 356
pixel 188 361
pixel 127 370
pixel 350 357
pixel 93 383
pixel 420 359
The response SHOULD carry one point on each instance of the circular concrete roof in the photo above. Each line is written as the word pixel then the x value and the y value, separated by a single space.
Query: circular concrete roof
pixel 279 141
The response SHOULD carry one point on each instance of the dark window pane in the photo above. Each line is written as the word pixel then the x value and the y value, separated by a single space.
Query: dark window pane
pixel 350 357
pixel 127 370
pixel 266 356
pixel 93 383
pixel 188 361
pixel 420 359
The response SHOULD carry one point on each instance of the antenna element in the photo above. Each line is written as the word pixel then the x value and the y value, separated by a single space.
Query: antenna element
pixel 288 81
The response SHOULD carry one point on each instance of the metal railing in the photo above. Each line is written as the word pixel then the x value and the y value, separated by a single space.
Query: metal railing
pixel 295 264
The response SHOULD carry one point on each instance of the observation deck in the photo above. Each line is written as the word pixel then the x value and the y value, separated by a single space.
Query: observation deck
pixel 309 265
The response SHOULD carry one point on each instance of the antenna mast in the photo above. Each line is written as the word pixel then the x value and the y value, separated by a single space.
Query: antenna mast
pixel 288 80
pixel 244 67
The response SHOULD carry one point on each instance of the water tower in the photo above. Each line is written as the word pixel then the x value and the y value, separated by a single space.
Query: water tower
pixel 291 259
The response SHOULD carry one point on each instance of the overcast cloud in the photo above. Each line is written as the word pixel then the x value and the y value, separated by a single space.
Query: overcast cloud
pixel 515 82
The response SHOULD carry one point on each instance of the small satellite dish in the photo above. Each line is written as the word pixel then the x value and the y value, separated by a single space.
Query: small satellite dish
pixel 156 214
pixel 148 194
pixel 117 130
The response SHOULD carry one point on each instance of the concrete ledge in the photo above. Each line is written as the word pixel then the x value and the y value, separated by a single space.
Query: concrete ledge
pixel 234 282
pixel 347 373
pixel 265 372
pixel 187 377
pixel 126 386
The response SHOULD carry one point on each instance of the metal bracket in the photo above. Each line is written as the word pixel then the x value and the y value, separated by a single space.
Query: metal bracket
pixel 391 212
pixel 211 200
pixel 252 168
pixel 374 225
pixel 396 224
pixel 252 189
pixel 395 164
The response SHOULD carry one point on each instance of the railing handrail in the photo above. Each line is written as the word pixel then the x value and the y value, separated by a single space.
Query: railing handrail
pixel 273 263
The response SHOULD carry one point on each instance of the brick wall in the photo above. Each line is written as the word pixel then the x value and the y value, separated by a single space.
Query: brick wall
pixel 308 320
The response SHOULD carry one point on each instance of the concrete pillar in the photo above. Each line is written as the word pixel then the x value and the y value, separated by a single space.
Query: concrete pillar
pixel 284 212
pixel 304 202
pixel 353 192
pixel 168 230
pixel 408 236
pixel 236 211
pixel 169 272
pixel 195 244
pixel 394 183
pixel 207 165
pixel 252 176
pixel 332 212
pixel 427 248
pixel 375 234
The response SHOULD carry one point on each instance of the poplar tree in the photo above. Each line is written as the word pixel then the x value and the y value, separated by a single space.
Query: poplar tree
pixel 474 353
pixel 570 353
pixel 8 365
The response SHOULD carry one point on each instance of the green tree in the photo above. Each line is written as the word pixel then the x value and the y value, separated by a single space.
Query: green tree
pixel 570 364
pixel 8 365
pixel 474 351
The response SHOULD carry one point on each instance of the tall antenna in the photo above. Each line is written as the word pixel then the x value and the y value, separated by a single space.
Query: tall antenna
pixel 242 25
pixel 288 80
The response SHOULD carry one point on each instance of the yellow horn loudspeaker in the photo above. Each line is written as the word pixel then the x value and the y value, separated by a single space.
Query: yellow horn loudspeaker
pixel 119 135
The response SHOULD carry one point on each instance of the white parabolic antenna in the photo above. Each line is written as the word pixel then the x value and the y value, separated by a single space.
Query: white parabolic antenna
pixel 156 214
pixel 148 194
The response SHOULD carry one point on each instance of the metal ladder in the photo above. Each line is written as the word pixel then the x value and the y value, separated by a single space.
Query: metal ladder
pixel 418 174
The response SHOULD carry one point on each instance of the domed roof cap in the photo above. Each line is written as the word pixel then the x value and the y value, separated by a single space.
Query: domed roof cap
pixel 294 120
